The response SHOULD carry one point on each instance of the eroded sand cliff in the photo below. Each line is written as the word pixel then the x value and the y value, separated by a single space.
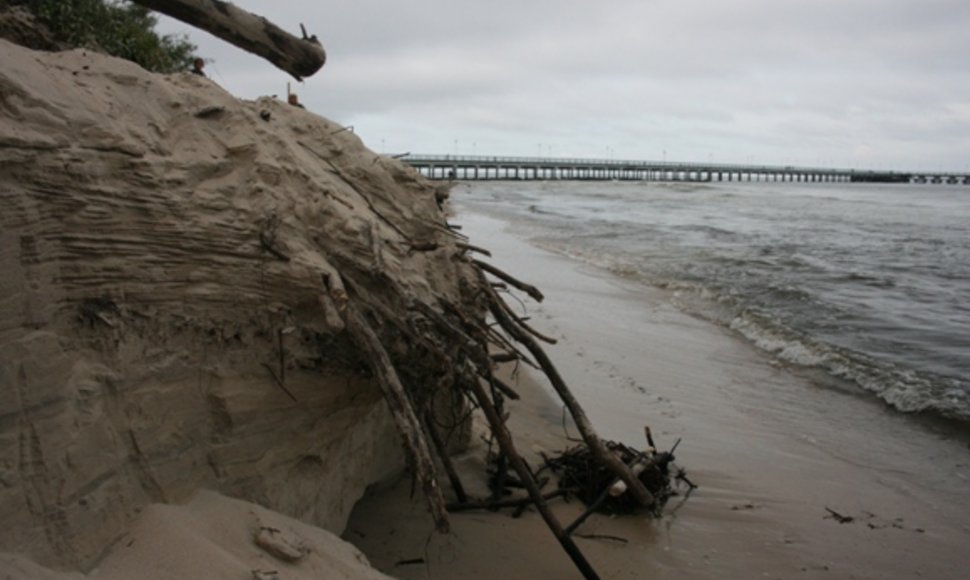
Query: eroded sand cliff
pixel 165 324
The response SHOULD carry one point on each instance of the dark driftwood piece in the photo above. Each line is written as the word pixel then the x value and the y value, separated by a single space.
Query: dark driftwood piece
pixel 525 326
pixel 504 438
pixel 442 448
pixel 252 33
pixel 589 511
pixel 471 248
pixel 606 493
pixel 405 420
pixel 514 282
pixel 503 388
pixel 502 503
pixel 595 444
pixel 501 341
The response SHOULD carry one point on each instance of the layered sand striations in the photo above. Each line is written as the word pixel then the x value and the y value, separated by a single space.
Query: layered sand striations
pixel 165 320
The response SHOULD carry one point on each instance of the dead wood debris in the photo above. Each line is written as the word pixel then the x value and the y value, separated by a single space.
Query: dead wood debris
pixel 585 477
pixel 420 351
pixel 842 519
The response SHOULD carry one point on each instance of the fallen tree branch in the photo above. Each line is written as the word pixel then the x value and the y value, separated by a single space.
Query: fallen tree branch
pixel 252 33
pixel 603 537
pixel 503 387
pixel 516 283
pixel 471 248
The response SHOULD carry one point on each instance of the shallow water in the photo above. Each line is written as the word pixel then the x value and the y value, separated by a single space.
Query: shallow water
pixel 770 450
pixel 869 284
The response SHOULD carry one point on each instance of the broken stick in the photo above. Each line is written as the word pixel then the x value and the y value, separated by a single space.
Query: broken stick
pixel 527 288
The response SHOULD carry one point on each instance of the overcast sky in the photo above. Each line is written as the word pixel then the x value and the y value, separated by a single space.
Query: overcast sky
pixel 860 83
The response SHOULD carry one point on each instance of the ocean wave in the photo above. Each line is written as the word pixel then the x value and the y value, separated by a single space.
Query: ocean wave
pixel 820 288
pixel 906 390
pixel 714 232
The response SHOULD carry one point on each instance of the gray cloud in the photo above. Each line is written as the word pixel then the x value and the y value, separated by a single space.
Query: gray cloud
pixel 881 83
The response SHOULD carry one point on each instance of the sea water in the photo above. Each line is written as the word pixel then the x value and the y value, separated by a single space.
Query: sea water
pixel 865 284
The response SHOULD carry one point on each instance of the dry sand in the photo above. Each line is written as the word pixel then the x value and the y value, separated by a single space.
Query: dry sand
pixel 170 301
pixel 211 536
pixel 769 449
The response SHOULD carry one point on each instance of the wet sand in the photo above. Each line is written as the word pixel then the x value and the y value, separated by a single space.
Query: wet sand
pixel 770 449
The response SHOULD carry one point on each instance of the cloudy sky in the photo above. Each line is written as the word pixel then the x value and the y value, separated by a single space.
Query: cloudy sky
pixel 852 83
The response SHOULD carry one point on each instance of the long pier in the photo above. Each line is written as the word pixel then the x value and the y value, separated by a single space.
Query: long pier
pixel 479 167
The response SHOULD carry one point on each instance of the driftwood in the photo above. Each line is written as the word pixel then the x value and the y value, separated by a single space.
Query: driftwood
pixel 615 490
pixel 502 503
pixel 525 326
pixel 440 332
pixel 405 419
pixel 442 448
pixel 471 248
pixel 504 439
pixel 637 489
pixel 593 508
pixel 504 357
pixel 503 387
pixel 252 33
pixel 514 282
pixel 586 478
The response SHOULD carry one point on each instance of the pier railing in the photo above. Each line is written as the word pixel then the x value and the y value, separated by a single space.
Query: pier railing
pixel 482 167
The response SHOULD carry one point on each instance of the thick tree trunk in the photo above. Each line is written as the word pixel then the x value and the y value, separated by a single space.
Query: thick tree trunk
pixel 299 57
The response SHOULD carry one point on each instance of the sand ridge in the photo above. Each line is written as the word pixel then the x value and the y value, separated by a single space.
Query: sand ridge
pixel 165 320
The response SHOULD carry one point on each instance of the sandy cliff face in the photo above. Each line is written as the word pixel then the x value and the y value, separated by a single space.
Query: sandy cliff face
pixel 163 324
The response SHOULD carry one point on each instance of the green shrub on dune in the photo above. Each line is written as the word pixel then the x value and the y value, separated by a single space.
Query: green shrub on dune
pixel 117 28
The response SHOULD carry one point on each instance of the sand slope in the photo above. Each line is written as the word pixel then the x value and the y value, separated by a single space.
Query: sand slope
pixel 163 316
pixel 211 536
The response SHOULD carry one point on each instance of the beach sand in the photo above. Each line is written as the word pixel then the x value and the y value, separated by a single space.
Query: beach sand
pixel 180 270
pixel 769 448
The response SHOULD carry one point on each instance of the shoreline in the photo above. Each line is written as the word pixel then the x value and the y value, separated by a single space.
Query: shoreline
pixel 769 449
